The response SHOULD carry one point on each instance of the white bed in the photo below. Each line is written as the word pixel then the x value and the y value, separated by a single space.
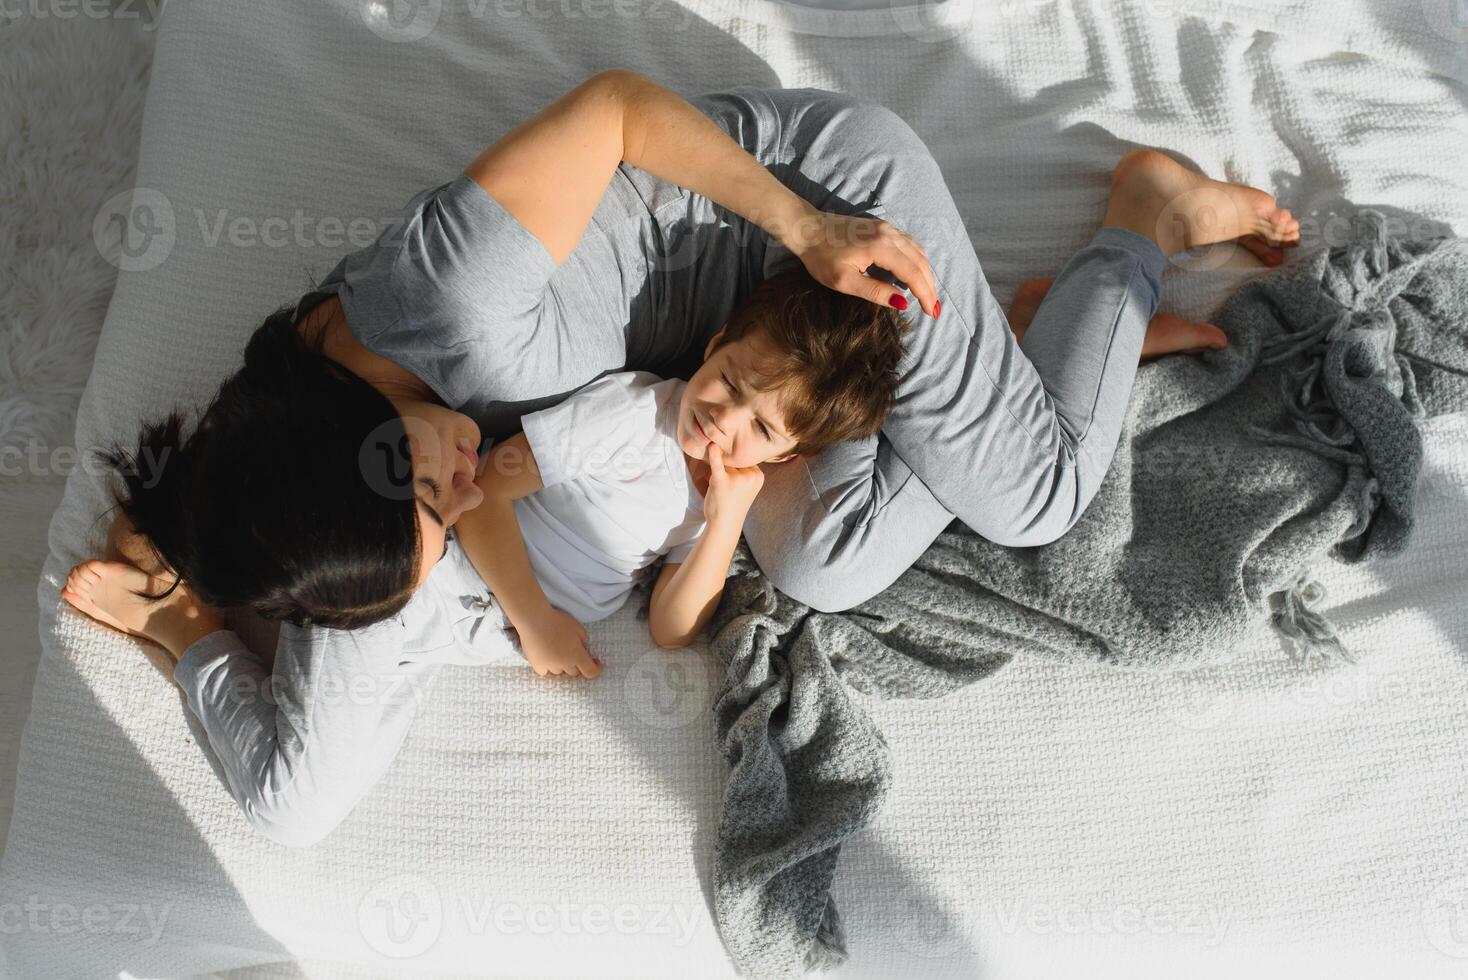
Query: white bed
pixel 1261 818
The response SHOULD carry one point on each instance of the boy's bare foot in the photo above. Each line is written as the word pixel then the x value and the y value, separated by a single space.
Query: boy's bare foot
pixel 1166 334
pixel 1154 195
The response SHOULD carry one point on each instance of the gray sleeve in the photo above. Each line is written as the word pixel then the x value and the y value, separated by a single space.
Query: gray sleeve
pixel 302 745
pixel 450 274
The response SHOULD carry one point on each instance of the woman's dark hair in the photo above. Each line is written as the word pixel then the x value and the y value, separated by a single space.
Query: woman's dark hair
pixel 279 501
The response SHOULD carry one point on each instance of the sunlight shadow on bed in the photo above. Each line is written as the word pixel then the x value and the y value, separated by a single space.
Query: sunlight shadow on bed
pixel 114 891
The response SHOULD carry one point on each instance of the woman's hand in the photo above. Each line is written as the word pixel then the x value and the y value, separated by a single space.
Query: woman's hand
pixel 731 489
pixel 837 249
pixel 556 643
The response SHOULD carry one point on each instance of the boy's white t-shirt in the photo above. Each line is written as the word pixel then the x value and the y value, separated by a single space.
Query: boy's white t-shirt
pixel 616 493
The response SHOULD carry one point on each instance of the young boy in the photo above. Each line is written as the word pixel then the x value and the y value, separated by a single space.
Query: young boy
pixel 632 468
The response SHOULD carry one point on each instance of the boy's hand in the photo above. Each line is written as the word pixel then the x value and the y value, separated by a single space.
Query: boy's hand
pixel 556 644
pixel 731 490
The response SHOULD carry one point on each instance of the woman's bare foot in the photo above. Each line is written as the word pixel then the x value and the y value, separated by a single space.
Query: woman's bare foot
pixel 106 591
pixel 1166 334
pixel 1154 195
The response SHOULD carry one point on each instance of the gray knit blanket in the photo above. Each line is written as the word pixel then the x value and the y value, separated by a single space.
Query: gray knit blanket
pixel 1237 472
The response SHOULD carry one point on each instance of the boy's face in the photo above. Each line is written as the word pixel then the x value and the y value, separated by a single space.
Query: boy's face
pixel 721 405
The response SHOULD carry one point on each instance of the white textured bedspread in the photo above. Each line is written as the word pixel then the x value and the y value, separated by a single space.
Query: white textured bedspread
pixel 1049 823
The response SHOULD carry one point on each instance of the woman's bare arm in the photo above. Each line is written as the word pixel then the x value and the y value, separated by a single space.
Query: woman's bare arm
pixel 551 171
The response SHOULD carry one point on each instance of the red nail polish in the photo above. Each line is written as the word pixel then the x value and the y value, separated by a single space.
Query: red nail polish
pixel 937 308
pixel 898 301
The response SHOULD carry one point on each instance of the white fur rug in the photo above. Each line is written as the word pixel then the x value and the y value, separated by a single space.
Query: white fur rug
pixel 71 105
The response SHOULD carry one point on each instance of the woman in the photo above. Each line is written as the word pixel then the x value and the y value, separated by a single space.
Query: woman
pixel 322 484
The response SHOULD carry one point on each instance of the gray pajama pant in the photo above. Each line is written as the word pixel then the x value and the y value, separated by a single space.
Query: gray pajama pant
pixel 1011 440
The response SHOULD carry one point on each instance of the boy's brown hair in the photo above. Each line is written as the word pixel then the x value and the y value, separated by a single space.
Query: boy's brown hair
pixel 834 356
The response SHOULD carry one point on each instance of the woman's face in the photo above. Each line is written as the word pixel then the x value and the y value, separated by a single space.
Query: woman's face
pixel 443 445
